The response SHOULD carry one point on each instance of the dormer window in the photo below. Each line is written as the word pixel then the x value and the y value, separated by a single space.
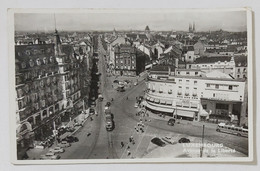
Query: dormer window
pixel 51 59
pixel 31 63
pixel 23 65
pixel 45 60
pixel 38 61
pixel 28 52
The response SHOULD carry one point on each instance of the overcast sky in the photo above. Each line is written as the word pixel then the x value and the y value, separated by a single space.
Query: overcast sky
pixel 136 20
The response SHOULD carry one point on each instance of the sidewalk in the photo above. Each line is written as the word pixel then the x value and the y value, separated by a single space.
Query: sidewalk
pixel 35 153
pixel 184 122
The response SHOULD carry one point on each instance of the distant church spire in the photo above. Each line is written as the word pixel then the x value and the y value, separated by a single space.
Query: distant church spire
pixel 193 29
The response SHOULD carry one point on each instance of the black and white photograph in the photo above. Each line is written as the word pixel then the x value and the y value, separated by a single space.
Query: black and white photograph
pixel 131 85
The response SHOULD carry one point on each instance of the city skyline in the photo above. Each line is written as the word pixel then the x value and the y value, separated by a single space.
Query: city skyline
pixel 133 20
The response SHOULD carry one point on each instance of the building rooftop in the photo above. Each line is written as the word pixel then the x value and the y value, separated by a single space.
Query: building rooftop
pixel 212 59
pixel 162 68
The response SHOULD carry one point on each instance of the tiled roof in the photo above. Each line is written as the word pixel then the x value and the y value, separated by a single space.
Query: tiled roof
pixel 162 68
pixel 212 59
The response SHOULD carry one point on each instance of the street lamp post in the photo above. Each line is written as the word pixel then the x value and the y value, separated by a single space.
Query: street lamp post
pixel 201 148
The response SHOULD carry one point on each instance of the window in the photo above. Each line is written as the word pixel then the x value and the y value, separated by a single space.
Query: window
pixel 214 94
pixel 230 87
pixel 195 82
pixel 38 61
pixel 238 70
pixel 222 106
pixel 31 63
pixel 180 81
pixel 187 81
pixel 187 73
pixel 196 73
pixel 23 65
pixel 238 76
pixel 217 86
pixel 208 85
pixel 204 106
pixel 179 73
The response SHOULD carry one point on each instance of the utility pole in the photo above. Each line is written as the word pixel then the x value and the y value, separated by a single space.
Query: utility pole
pixel 202 145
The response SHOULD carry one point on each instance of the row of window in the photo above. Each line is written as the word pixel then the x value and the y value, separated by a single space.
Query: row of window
pixel 38 62
pixel 222 87
pixel 187 82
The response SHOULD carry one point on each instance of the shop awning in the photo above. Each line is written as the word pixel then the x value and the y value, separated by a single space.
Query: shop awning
pixel 151 99
pixel 185 113
pixel 204 113
pixel 168 110
pixel 148 98
pixel 169 102
pixel 162 101
pixel 157 101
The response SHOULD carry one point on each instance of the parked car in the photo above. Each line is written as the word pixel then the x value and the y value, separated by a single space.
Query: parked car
pixel 91 111
pixel 184 140
pixel 78 124
pixel 71 139
pixel 49 156
pixel 136 105
pixel 158 141
pixel 116 81
pixel 64 144
pixel 169 140
pixel 93 103
pixel 70 129
pixel 57 150
pixel 171 122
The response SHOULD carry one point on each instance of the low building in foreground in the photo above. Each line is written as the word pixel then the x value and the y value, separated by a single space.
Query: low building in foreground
pixel 194 95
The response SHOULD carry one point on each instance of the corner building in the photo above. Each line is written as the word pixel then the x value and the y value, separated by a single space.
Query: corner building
pixel 47 86
pixel 190 95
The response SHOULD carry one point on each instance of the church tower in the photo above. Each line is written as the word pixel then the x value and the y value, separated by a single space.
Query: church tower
pixel 193 29
pixel 147 30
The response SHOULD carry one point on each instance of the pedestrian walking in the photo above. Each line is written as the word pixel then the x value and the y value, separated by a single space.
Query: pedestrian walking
pixel 130 139
pixel 128 153
pixel 122 144
pixel 133 142
pixel 128 147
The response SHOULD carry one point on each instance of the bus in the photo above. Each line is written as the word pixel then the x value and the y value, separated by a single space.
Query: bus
pixel 232 129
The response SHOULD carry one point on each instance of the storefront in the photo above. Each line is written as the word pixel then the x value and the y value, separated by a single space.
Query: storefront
pixel 221 111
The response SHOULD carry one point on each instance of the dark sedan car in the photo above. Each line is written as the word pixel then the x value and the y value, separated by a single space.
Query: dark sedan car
pixel 184 140
pixel 71 139
pixel 158 142
pixel 171 122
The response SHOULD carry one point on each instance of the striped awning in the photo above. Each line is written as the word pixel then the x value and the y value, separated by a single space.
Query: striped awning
pixel 185 113
pixel 162 101
pixel 161 109
pixel 157 101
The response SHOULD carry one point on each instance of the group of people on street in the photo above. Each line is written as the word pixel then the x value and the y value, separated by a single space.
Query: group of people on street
pixel 131 141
